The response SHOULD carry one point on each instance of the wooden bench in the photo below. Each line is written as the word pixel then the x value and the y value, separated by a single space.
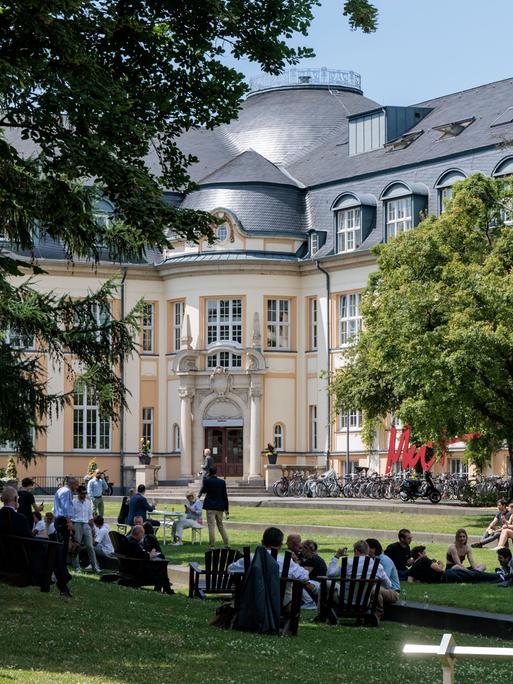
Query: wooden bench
pixel 25 560
pixel 357 596
pixel 215 578
pixel 133 572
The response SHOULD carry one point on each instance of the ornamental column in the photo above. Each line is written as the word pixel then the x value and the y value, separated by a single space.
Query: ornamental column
pixel 186 395
pixel 255 396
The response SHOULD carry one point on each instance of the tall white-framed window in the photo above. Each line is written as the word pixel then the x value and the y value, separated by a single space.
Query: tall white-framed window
pixel 355 420
pixel 349 229
pixel 95 317
pixel 90 430
pixel 398 216
pixel 147 425
pixel 224 359
pixel 458 466
pixel 313 320
pixel 176 437
pixel 278 323
pixel 350 321
pixel 148 323
pixel 312 414
pixel 178 314
pixel 279 437
pixel 314 243
pixel 224 320
pixel 444 197
pixel 18 340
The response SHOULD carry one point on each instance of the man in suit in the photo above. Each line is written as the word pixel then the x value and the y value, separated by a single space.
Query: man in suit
pixel 140 506
pixel 12 522
pixel 215 504
pixel 153 573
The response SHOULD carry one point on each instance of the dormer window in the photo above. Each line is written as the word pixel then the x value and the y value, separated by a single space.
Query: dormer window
pixel 403 141
pixel 403 206
pixel 504 118
pixel 453 129
pixel 355 217
pixel 444 187
pixel 504 170
pixel 314 243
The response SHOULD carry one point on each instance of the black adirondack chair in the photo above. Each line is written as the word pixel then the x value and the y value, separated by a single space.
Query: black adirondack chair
pixel 290 601
pixel 25 560
pixel 133 572
pixel 215 578
pixel 357 597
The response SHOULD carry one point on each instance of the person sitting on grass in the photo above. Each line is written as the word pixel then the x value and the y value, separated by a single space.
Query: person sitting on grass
pixel 457 552
pixel 491 532
pixel 45 527
pixel 506 531
pixel 376 551
pixel 431 571
pixel 400 553
pixel 505 569
pixel 102 544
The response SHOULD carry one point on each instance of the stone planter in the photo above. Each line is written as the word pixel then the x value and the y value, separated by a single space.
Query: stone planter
pixel 145 459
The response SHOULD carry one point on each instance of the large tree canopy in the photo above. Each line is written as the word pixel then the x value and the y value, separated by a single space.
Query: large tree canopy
pixel 92 86
pixel 437 344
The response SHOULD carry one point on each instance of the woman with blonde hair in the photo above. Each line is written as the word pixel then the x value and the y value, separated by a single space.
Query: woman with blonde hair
pixel 457 552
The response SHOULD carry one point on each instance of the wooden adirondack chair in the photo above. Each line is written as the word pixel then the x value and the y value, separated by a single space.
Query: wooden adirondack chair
pixel 290 601
pixel 357 597
pixel 23 559
pixel 215 578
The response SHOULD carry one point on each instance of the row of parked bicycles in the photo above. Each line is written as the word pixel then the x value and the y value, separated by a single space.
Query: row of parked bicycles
pixel 406 486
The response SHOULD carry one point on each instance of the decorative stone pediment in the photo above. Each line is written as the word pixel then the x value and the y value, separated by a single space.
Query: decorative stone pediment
pixel 222 409
pixel 221 381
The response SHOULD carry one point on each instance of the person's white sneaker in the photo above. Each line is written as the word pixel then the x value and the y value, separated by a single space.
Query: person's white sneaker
pixel 177 543
pixel 89 569
pixel 79 570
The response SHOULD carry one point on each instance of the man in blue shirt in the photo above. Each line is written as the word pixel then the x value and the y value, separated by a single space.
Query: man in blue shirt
pixel 96 488
pixel 386 596
pixel 139 505
pixel 63 512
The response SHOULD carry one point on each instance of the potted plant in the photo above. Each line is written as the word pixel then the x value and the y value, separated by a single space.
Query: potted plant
pixel 145 452
pixel 11 470
pixel 271 454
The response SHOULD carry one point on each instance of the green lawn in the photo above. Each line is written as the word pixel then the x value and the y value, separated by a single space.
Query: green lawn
pixel 109 634
pixel 448 524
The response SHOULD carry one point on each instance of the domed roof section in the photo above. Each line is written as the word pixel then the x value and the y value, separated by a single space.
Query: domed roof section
pixel 249 167
pixel 283 125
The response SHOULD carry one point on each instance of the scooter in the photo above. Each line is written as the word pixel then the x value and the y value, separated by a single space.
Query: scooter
pixel 416 489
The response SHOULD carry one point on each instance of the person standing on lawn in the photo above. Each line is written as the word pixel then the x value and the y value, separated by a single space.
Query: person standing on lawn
pixel 96 488
pixel 215 504
pixel 493 531
pixel 82 519
pixel 26 502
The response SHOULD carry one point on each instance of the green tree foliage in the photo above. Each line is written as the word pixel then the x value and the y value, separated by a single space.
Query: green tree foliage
pixel 90 88
pixel 437 345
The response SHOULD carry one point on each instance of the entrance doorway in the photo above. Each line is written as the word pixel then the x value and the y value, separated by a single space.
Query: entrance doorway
pixel 225 444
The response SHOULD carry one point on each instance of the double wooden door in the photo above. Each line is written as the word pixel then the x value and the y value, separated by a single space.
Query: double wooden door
pixel 225 444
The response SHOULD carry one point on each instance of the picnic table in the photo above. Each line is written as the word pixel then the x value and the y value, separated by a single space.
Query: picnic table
pixel 168 518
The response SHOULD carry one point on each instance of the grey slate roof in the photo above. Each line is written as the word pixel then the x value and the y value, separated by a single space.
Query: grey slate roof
pixel 249 167
pixel 259 208
pixel 248 256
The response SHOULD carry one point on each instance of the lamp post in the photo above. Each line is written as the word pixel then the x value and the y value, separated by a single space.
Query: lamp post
pixel 347 443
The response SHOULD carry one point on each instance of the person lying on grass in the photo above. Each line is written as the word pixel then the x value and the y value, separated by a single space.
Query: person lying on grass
pixel 431 571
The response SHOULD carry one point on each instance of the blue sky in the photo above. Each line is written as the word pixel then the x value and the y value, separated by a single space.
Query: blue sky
pixel 422 49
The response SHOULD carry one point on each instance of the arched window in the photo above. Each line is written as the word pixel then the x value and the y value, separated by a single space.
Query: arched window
pixel 176 437
pixel 279 437
pixel 90 430
pixel 355 217
pixel 504 169
pixel 444 185
pixel 403 204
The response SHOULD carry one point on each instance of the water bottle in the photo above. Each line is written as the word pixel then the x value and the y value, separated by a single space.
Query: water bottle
pixel 425 598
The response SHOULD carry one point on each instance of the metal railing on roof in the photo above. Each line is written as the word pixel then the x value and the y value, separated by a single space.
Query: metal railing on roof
pixel 296 76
